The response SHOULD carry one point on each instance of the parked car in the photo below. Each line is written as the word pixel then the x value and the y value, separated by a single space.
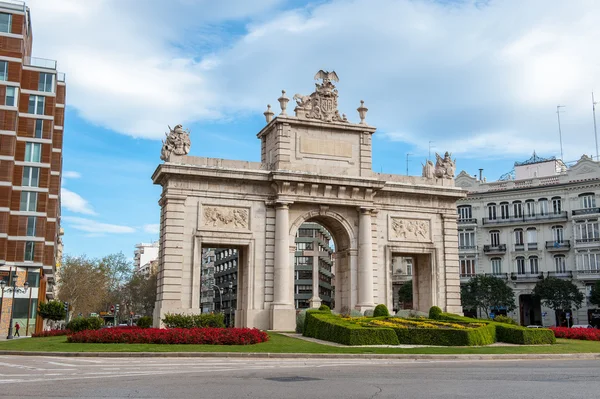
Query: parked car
pixel 581 326
pixel 534 326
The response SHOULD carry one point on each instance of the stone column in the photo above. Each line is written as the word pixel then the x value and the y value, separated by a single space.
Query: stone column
pixel 449 269
pixel 365 261
pixel 283 315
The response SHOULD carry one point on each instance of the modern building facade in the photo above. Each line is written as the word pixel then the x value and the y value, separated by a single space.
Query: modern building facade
pixel 207 278
pixel 32 112
pixel 144 257
pixel 541 220
pixel 226 277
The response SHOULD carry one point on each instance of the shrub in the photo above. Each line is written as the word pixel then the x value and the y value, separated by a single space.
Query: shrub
pixel 588 334
pixel 324 308
pixel 52 310
pixel 381 310
pixel 199 336
pixel 369 313
pixel 435 313
pixel 524 336
pixel 485 335
pixel 50 333
pixel 505 320
pixel 85 323
pixel 144 322
pixel 214 320
pixel 334 328
pixel 300 318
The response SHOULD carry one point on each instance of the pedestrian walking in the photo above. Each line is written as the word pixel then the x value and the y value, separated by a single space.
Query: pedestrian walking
pixel 17 328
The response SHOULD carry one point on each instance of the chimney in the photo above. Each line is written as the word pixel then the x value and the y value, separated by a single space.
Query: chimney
pixel 480 173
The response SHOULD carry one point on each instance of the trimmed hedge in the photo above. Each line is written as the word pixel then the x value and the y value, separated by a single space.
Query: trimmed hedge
pixel 381 310
pixel 435 313
pixel 524 336
pixel 485 335
pixel 85 323
pixel 329 327
pixel 144 322
pixel 214 320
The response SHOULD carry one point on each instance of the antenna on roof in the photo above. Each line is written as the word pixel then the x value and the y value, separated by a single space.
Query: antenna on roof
pixel 558 107
pixel 595 132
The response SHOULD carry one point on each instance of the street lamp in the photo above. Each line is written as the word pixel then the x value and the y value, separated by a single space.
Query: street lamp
pixel 220 297
pixel 230 303
pixel 14 290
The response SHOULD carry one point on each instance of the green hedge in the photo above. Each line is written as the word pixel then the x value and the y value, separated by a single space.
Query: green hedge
pixel 144 322
pixel 524 336
pixel 330 327
pixel 196 320
pixel 85 323
pixel 485 335
pixel 462 319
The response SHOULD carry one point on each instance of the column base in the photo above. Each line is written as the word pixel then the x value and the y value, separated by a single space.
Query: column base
pixel 315 303
pixel 283 318
pixel 362 308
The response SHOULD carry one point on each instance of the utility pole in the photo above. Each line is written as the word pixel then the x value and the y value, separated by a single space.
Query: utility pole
pixel 595 131
pixel 558 107
pixel 407 162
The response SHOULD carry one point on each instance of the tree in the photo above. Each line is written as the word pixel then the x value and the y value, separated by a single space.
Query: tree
pixel 140 294
pixel 405 292
pixel 52 310
pixel 558 294
pixel 595 294
pixel 82 283
pixel 487 292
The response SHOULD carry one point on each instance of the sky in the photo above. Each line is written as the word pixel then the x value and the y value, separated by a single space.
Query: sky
pixel 478 78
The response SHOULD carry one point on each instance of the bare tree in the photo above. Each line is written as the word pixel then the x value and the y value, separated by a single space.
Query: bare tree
pixel 82 283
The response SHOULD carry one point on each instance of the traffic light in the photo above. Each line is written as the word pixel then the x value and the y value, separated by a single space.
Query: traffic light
pixel 117 308
pixel 66 306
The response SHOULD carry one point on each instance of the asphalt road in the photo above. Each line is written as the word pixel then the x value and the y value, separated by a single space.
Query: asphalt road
pixel 63 377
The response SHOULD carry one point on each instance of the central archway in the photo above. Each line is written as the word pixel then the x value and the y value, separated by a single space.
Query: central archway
pixel 344 256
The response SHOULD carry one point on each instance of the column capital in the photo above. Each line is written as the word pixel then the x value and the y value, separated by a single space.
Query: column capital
pixel 365 210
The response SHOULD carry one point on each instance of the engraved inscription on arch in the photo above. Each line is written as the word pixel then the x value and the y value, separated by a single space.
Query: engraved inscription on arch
pixel 404 229
pixel 225 217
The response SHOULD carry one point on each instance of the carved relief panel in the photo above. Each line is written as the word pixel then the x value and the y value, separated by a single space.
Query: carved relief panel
pixel 406 229
pixel 224 217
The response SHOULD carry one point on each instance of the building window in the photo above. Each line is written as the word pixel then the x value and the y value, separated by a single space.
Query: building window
pixel 467 267
pixel 31 176
pixel 556 205
pixel 520 261
pixel 303 260
pixel 28 201
pixel 496 266
pixel 504 211
pixel 5 22
pixel 11 96
pixel 531 238
pixel 518 236
pixel 4 70
pixel 588 261
pixel 466 239
pixel 36 105
pixel 464 212
pixel 543 202
pixel 301 246
pixel 558 234
pixel 560 264
pixel 529 208
pixel 33 152
pixel 587 230
pixel 39 128
pixel 491 211
pixel 517 209
pixel 495 238
pixel 533 265
pixel 46 82
pixel 588 200
pixel 33 278
pixel 31 222
pixel 29 249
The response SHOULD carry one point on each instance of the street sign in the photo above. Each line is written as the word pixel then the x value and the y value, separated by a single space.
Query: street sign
pixel 112 308
pixel 544 314
pixel 568 315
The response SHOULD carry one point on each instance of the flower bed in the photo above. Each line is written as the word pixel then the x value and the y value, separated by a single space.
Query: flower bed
pixel 200 336
pixel 50 333
pixel 588 334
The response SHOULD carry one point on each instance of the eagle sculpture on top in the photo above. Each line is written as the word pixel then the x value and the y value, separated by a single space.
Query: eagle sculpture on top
pixel 327 76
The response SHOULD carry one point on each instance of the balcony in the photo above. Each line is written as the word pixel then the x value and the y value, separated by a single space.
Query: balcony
pixel 467 221
pixel 555 246
pixel 565 274
pixel 16 5
pixel 551 217
pixel 467 248
pixel 519 247
pixel 494 249
pixel 503 276
pixel 401 277
pixel 590 274
pixel 587 242
pixel 464 277
pixel 532 246
pixel 61 77
pixel 526 276
pixel 40 63
pixel 585 211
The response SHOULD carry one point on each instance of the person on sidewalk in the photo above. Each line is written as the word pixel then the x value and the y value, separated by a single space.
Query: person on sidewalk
pixel 17 328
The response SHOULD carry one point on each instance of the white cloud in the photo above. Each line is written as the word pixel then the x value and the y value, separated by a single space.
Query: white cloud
pixel 75 203
pixel 152 228
pixel 94 227
pixel 462 74
pixel 70 174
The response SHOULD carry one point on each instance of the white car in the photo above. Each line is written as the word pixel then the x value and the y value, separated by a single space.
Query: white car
pixel 581 326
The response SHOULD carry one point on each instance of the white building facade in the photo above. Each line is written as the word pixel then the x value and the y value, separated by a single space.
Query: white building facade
pixel 145 257
pixel 541 221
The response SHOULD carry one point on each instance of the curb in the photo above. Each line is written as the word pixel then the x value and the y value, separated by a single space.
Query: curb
pixel 542 356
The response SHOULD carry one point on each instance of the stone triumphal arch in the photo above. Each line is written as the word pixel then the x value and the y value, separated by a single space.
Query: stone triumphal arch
pixel 315 166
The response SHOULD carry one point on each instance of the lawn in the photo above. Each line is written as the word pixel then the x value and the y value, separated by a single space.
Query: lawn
pixel 282 344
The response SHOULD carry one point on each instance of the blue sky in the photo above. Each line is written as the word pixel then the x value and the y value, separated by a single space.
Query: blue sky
pixel 478 78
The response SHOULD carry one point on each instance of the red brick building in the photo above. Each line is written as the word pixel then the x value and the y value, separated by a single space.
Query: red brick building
pixel 32 110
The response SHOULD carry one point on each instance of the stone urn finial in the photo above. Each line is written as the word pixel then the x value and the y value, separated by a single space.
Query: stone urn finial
pixel 362 112
pixel 283 100
pixel 268 113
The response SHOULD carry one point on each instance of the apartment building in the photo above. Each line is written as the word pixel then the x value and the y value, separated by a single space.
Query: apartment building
pixel 539 220
pixel 32 111
pixel 145 258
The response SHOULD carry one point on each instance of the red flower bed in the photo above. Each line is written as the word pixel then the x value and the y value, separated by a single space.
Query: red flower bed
pixel 588 334
pixel 51 333
pixel 203 336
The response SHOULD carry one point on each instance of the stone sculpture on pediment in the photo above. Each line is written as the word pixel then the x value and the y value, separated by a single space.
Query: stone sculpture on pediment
pixel 428 169
pixel 322 104
pixel 444 167
pixel 177 142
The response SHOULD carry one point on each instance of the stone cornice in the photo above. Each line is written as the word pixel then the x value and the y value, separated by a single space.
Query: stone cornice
pixel 291 120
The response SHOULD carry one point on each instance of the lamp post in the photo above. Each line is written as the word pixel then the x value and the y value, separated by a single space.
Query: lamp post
pixel 230 303
pixel 2 285
pixel 220 297
pixel 14 290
